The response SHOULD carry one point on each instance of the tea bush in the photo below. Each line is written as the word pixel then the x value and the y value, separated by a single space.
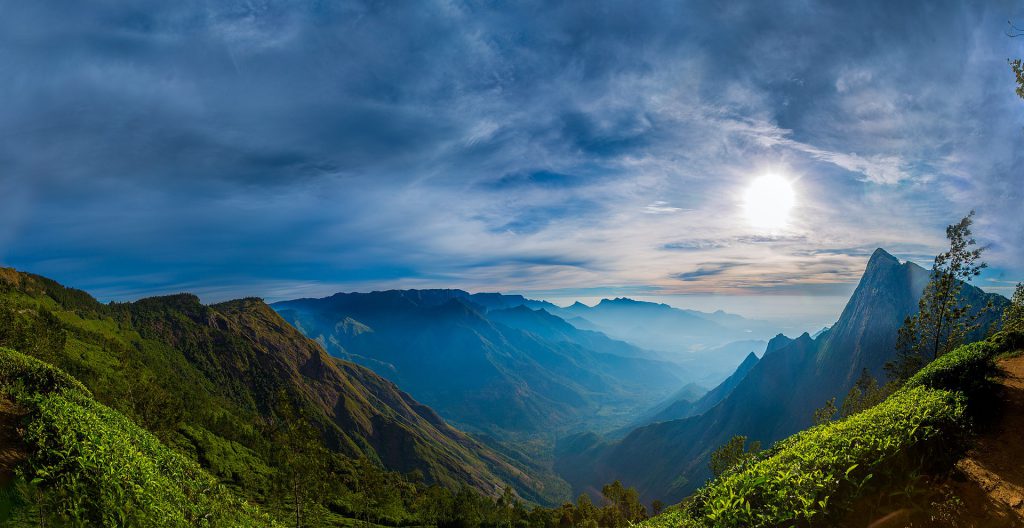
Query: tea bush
pixel 817 474
pixel 92 466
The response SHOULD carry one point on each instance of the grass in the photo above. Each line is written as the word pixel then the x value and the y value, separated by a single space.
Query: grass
pixel 90 465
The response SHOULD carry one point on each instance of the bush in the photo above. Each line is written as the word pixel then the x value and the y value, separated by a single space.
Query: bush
pixel 819 473
pixel 92 466
pixel 34 376
pixel 1007 341
pixel 968 369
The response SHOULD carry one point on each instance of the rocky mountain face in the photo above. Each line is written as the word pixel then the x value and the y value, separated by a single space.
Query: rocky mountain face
pixel 778 394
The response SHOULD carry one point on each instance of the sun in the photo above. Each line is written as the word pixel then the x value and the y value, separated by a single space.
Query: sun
pixel 768 202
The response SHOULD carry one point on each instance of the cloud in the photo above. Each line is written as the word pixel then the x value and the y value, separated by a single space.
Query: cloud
pixel 706 270
pixel 240 148
pixel 660 207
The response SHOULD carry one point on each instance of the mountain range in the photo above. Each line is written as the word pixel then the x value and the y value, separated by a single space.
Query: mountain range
pixel 775 397
pixel 491 363
pixel 205 377
pixel 664 328
pixel 398 376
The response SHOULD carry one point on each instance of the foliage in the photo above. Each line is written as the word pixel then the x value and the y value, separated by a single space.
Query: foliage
pixel 865 393
pixel 1013 316
pixel 942 320
pixel 164 364
pixel 91 466
pixel 302 457
pixel 816 474
pixel 25 374
pixel 1018 70
pixel 826 412
pixel 623 508
pixel 968 369
pixel 732 453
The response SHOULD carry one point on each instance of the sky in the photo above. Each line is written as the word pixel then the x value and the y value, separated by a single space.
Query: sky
pixel 564 150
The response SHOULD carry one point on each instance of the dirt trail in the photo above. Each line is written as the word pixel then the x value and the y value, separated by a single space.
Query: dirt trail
pixel 12 449
pixel 995 467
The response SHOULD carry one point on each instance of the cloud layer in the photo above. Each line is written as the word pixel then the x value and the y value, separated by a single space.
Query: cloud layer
pixel 299 147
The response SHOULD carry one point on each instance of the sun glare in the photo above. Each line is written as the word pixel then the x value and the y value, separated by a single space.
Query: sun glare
pixel 769 201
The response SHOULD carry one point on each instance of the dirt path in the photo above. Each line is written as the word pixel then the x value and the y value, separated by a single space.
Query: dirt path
pixel 12 449
pixel 995 467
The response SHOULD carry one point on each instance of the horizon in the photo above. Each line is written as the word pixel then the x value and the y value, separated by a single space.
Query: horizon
pixel 581 151
pixel 801 316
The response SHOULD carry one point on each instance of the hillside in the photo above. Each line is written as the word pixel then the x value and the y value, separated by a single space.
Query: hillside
pixel 778 395
pixel 683 408
pixel 507 370
pixel 89 465
pixel 891 465
pixel 206 379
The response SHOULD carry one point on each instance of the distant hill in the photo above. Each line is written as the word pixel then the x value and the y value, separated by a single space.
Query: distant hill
pixel 681 409
pixel 486 361
pixel 667 329
pixel 204 377
pixel 778 395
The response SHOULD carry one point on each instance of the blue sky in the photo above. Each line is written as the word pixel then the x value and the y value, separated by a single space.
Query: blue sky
pixel 564 150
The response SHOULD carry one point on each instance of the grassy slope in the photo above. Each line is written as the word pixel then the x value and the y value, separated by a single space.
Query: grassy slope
pixel 90 465
pixel 202 378
pixel 817 476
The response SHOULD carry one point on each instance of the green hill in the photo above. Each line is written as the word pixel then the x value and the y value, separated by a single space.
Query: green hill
pixel 890 457
pixel 89 465
pixel 220 383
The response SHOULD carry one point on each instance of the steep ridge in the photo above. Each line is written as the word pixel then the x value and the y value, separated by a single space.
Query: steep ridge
pixel 542 323
pixel 224 368
pixel 508 370
pixel 710 398
pixel 779 394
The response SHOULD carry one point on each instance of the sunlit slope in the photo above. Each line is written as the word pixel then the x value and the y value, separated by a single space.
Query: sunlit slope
pixel 89 465
pixel 862 467
pixel 204 377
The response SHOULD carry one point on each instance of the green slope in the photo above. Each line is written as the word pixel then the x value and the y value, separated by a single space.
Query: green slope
pixel 207 380
pixel 89 465
pixel 869 463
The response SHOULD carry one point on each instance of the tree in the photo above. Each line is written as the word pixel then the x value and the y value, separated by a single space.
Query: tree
pixel 1015 64
pixel 826 412
pixel 300 460
pixel 1013 316
pixel 586 515
pixel 732 453
pixel 624 506
pixel 943 319
pixel 1018 70
pixel 507 506
pixel 866 393
pixel 657 506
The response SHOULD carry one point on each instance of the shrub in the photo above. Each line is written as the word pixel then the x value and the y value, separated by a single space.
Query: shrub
pixel 968 369
pixel 1007 341
pixel 817 474
pixel 92 466
pixel 34 376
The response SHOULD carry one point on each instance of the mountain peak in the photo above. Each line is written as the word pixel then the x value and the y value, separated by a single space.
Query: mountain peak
pixel 881 256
